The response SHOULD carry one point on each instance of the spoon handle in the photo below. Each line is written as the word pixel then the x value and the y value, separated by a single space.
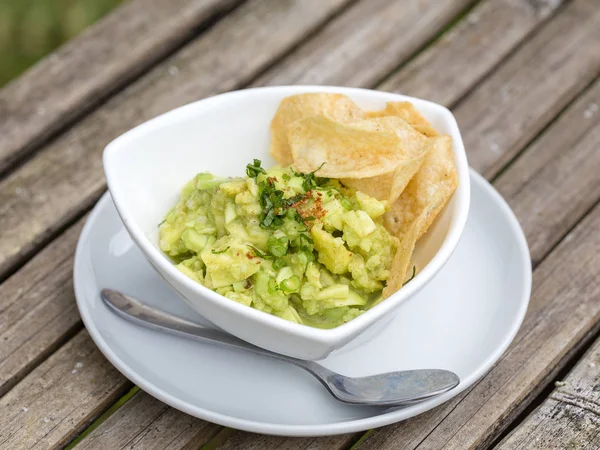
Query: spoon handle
pixel 135 311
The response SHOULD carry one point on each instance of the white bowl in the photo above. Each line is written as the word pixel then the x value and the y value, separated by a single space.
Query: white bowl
pixel 147 166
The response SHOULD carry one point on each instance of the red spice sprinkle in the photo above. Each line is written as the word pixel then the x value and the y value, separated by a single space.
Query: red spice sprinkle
pixel 316 210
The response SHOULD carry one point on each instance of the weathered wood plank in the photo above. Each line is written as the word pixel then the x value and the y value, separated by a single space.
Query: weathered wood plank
pixel 460 58
pixel 91 66
pixel 564 310
pixel 521 97
pixel 251 441
pixel 557 179
pixel 243 439
pixel 146 423
pixel 37 309
pixel 364 44
pixel 570 417
pixel 60 397
pixel 67 176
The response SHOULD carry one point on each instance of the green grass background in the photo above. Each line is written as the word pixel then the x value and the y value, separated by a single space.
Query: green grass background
pixel 30 29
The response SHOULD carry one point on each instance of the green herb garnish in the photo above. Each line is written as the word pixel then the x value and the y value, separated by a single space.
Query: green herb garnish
pixel 261 254
pixel 217 252
pixel 310 180
pixel 274 206
pixel 411 277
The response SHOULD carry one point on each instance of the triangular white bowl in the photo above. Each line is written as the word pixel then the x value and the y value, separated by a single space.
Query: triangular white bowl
pixel 147 166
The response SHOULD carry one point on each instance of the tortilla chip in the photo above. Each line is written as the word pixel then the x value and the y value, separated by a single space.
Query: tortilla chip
pixel 390 185
pixel 403 257
pixel 360 149
pixel 408 112
pixel 435 179
pixel 337 107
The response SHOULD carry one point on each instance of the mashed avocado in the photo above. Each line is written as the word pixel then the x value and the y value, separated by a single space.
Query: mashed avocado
pixel 303 248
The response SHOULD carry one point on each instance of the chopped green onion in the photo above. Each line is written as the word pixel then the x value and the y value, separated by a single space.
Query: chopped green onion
pixel 278 264
pixel 277 247
pixel 272 286
pixel 290 285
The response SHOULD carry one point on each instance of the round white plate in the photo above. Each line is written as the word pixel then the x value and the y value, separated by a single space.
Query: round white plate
pixel 462 321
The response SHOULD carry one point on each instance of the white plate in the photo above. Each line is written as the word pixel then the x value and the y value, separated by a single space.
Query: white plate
pixel 462 321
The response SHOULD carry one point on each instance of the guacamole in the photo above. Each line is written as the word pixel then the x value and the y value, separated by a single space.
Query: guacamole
pixel 304 248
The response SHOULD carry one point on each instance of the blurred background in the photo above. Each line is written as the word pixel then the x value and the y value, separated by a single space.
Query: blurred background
pixel 30 29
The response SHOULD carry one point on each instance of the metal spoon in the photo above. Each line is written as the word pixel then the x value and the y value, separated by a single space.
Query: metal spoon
pixel 387 389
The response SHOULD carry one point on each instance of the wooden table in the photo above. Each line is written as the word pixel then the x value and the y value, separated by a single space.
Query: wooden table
pixel 522 78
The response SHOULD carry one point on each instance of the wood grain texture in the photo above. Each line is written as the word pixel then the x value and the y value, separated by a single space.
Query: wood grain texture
pixel 37 309
pixel 558 178
pixel 251 441
pixel 460 58
pixel 570 417
pixel 86 69
pixel 365 43
pixel 145 423
pixel 66 176
pixel 59 398
pixel 522 96
pixel 529 378
pixel 413 431
pixel 564 309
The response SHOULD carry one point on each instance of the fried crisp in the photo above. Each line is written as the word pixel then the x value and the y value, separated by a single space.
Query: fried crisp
pixel 408 112
pixel 390 185
pixel 408 240
pixel 337 107
pixel 360 149
pixel 436 178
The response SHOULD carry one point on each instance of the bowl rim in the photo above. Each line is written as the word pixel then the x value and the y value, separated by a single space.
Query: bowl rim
pixel 328 336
